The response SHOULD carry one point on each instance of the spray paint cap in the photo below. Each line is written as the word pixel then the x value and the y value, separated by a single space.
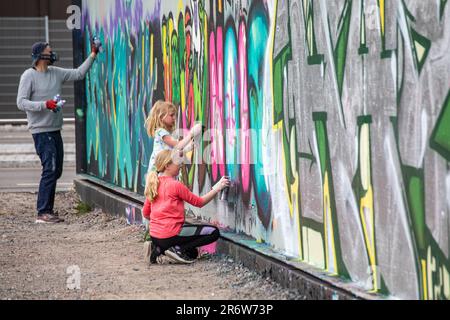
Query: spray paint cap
pixel 97 43
pixel 59 102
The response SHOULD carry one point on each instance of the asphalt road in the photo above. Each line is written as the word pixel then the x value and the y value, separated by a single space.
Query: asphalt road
pixel 20 167
pixel 20 135
pixel 27 179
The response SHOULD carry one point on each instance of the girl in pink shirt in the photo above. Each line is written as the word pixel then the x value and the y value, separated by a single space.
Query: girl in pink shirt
pixel 160 125
pixel 165 210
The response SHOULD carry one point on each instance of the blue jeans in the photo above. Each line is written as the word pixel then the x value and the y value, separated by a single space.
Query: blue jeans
pixel 50 149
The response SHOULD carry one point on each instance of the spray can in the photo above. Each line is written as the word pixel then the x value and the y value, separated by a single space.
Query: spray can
pixel 97 43
pixel 56 99
pixel 59 102
pixel 224 193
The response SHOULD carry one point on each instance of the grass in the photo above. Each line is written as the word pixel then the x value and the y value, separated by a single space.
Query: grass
pixel 83 208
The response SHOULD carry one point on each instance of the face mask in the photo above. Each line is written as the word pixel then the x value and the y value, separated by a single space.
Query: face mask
pixel 52 57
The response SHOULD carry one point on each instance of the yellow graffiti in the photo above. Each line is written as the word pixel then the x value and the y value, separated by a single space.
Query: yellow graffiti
pixel 294 186
pixel 366 209
pixel 180 6
pixel 313 246
pixel 446 281
pixel 440 275
pixel 305 6
pixel 424 279
pixel 330 252
pixel 367 218
pixel 382 15
pixel 295 192
pixel 151 55
pixel 165 57
pixel 170 30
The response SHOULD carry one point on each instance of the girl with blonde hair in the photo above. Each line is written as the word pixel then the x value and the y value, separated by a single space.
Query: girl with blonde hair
pixel 160 125
pixel 165 210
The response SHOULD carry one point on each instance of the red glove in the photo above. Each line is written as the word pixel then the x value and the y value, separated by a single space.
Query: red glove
pixel 95 45
pixel 94 49
pixel 51 104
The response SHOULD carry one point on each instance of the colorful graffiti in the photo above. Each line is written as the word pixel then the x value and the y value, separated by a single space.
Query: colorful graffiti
pixel 331 117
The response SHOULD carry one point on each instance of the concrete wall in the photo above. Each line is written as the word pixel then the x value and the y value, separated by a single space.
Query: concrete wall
pixel 343 111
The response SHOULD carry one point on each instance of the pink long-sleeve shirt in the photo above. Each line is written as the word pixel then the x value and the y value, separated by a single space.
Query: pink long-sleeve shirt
pixel 166 212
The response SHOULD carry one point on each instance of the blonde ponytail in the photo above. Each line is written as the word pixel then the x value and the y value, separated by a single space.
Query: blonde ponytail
pixel 151 186
pixel 163 159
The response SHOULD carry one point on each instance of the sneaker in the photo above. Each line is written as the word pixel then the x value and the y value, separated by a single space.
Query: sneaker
pixel 155 256
pixel 56 214
pixel 47 218
pixel 178 255
pixel 192 253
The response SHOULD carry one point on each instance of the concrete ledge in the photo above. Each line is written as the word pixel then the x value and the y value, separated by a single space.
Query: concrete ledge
pixel 24 121
pixel 312 282
pixel 109 199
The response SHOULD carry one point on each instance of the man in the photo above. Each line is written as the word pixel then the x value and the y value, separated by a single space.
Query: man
pixel 37 89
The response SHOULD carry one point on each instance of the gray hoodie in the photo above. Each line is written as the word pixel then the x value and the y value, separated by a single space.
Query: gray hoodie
pixel 36 88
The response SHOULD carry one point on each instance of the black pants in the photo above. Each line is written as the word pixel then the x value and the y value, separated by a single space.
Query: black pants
pixel 50 149
pixel 189 239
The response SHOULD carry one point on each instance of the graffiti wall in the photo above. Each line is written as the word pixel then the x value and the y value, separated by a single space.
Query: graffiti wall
pixel 332 118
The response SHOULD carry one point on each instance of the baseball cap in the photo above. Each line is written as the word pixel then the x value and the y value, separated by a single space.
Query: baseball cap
pixel 36 50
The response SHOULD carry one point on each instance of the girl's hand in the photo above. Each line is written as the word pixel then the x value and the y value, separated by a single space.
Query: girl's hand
pixel 196 130
pixel 222 184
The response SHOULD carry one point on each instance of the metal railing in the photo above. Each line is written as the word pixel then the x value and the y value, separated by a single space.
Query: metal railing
pixel 17 36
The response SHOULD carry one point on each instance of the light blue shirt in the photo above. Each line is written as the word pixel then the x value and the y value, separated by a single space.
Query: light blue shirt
pixel 158 146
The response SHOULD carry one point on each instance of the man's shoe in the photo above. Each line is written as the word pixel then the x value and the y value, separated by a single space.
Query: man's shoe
pixel 178 256
pixel 56 214
pixel 47 218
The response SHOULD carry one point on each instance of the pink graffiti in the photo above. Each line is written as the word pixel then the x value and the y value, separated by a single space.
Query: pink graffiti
pixel 216 104
pixel 188 82
pixel 231 107
pixel 245 122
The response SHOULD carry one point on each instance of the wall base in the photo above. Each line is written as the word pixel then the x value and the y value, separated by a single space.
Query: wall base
pixel 311 282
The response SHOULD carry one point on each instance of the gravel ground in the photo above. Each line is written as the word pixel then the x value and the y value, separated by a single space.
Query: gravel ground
pixel 40 261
